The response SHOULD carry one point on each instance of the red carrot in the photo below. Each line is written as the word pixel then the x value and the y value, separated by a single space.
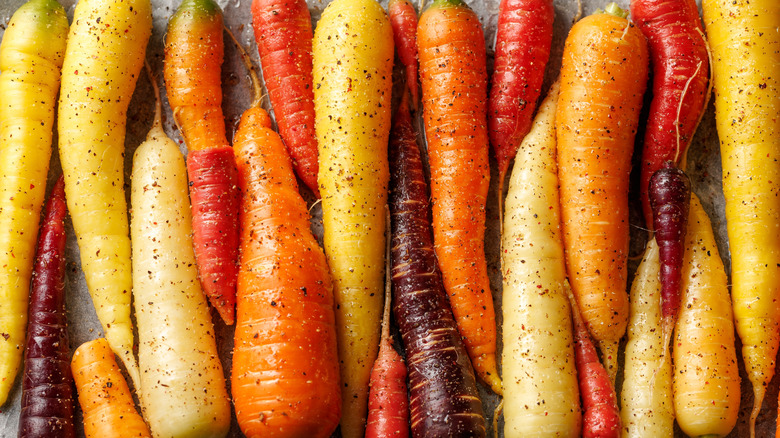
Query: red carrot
pixel 388 405
pixel 681 71
pixel 600 413
pixel 523 40
pixel 284 40
pixel 214 194
pixel 670 198
pixel 442 388
pixel 193 58
pixel 47 387
pixel 403 18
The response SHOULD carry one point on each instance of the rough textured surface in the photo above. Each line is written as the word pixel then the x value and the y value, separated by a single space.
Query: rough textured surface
pixel 703 168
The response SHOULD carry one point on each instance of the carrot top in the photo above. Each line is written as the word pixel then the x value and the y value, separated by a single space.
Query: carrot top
pixel 614 9
pixel 448 4
pixel 199 8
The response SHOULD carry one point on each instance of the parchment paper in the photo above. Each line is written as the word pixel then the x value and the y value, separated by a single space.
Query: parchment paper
pixel 703 168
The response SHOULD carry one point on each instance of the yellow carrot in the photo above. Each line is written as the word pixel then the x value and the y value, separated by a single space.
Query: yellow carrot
pixel 353 57
pixel 646 401
pixel 745 47
pixel 706 379
pixel 541 397
pixel 182 385
pixel 104 56
pixel 30 59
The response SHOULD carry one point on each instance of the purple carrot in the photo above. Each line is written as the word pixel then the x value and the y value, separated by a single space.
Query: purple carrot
pixel 47 393
pixel 403 18
pixel 443 390
pixel 670 198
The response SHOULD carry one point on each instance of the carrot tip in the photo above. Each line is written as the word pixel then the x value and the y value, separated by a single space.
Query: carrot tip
pixel 609 355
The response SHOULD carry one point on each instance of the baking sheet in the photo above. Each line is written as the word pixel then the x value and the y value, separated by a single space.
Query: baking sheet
pixel 703 168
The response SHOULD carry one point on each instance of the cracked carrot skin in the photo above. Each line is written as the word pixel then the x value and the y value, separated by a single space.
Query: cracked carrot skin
pixel 603 77
pixel 193 59
pixel 106 45
pixel 353 62
pixel 453 74
pixel 31 55
pixel 745 48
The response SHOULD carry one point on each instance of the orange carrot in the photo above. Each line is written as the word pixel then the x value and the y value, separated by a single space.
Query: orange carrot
pixel 603 78
pixel 104 397
pixel 193 57
pixel 285 363
pixel 453 74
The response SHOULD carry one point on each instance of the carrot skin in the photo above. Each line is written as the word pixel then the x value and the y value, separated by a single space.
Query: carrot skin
pixel 47 394
pixel 600 413
pixel 680 62
pixel 215 203
pixel 523 40
pixel 670 198
pixel 285 373
pixel 403 19
pixel 284 39
pixel 453 74
pixel 194 51
pixel 442 387
pixel 603 76
pixel 388 405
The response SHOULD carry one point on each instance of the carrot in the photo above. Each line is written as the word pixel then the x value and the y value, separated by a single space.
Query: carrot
pixel 352 90
pixel 681 72
pixel 454 87
pixel 177 353
pixel 523 40
pixel 600 413
pixel 285 376
pixel 442 387
pixel 388 406
pixel 670 197
pixel 106 45
pixel 603 79
pixel 193 56
pixel 706 378
pixel 541 396
pixel 47 394
pixel 30 59
pixel 646 407
pixel 103 394
pixel 284 37
pixel 744 33
pixel 403 18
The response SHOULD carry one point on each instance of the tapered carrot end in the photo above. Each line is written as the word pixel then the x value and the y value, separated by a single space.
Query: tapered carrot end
pixel 759 390
pixel 487 370
pixel 609 355
pixel 227 313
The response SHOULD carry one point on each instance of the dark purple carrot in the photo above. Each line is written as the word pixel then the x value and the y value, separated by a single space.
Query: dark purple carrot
pixel 47 385
pixel 443 390
pixel 670 198
pixel 523 39
pixel 403 18
pixel 600 413
pixel 388 405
